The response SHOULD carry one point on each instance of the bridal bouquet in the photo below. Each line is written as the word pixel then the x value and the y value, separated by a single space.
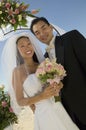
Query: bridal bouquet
pixel 14 13
pixel 49 71
pixel 7 116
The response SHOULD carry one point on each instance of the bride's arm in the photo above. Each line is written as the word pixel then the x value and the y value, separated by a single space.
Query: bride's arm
pixel 18 88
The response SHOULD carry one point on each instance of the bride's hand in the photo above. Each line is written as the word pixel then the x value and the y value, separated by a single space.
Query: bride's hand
pixel 48 92
pixel 57 87
pixel 33 107
pixel 52 90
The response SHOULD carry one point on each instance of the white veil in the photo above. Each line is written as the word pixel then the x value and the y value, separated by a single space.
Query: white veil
pixel 59 30
pixel 9 62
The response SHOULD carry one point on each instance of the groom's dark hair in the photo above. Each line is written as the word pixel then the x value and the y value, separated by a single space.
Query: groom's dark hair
pixel 36 20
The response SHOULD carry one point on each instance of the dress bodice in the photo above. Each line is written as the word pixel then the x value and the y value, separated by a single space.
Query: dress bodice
pixel 48 114
pixel 32 85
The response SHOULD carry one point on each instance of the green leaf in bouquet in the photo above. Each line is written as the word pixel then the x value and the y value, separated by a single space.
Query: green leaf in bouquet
pixel 57 98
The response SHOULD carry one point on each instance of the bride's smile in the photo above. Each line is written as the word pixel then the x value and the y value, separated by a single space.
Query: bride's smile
pixel 25 47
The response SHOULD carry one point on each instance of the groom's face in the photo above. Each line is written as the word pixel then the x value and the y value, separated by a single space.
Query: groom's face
pixel 43 32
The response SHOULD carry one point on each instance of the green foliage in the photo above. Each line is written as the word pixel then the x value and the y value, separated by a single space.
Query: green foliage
pixel 48 75
pixel 7 116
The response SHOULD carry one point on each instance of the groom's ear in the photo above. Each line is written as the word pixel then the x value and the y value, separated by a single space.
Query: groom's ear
pixel 51 26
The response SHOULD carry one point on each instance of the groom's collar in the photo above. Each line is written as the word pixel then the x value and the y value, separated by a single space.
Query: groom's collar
pixel 52 41
pixel 51 45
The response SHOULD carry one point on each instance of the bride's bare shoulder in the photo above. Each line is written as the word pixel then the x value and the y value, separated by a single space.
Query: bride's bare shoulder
pixel 19 68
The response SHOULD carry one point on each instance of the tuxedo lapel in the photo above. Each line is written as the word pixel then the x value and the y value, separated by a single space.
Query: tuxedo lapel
pixel 59 50
pixel 46 55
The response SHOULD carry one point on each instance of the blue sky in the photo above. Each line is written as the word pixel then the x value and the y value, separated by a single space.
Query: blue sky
pixel 67 14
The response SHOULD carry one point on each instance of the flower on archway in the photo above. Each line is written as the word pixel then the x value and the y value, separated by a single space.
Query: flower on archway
pixel 14 13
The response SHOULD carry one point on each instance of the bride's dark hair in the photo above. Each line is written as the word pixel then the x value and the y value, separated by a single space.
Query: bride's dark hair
pixel 19 57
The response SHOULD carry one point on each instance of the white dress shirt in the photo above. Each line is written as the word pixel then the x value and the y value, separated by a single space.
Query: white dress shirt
pixel 51 49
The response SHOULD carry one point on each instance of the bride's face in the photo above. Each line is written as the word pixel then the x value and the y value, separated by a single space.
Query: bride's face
pixel 25 48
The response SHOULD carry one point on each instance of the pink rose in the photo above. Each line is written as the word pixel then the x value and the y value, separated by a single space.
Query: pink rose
pixel 49 68
pixel 13 21
pixel 34 11
pixel 23 7
pixel 39 71
pixel 4 103
pixel 10 12
pixel 10 109
pixel 16 11
pixel 7 5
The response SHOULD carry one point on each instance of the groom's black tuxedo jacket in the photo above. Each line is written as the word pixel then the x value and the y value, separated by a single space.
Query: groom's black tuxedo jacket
pixel 70 51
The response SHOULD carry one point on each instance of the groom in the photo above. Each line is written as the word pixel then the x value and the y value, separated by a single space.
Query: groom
pixel 70 51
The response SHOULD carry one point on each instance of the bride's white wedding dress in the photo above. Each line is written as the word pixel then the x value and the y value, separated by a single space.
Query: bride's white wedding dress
pixel 48 114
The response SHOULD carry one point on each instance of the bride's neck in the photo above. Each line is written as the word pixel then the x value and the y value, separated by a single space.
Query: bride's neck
pixel 29 62
pixel 30 66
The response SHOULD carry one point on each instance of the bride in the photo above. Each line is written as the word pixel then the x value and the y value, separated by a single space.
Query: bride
pixel 24 57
